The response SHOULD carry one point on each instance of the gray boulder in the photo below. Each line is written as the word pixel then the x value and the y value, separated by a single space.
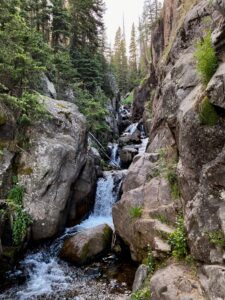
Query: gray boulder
pixel 175 282
pixel 55 159
pixel 87 244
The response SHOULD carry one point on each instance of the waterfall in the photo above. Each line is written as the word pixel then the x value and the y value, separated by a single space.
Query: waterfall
pixel 45 273
pixel 114 158
pixel 107 194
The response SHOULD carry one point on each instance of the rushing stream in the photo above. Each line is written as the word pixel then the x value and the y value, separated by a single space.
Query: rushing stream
pixel 42 275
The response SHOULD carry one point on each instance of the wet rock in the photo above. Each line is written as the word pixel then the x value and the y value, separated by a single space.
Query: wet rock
pixel 6 172
pixel 56 157
pixel 175 282
pixel 87 244
pixel 140 276
pixel 127 154
pixel 83 194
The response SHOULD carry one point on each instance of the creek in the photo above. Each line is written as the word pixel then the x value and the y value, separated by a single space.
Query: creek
pixel 43 275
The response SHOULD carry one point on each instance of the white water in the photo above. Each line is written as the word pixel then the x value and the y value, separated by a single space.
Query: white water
pixel 131 128
pixel 106 196
pixel 45 272
pixel 115 158
pixel 142 148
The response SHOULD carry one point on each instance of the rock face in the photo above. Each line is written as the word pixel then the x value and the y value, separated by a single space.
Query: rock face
pixel 176 126
pixel 87 244
pixel 149 194
pixel 83 194
pixel 51 167
pixel 175 282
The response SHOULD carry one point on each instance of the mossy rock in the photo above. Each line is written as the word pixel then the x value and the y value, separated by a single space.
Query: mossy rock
pixel 207 113
pixel 87 245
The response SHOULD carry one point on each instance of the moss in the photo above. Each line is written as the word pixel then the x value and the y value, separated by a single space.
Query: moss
pixel 3 118
pixel 217 238
pixel 207 113
pixel 84 254
pixel 107 235
pixel 23 170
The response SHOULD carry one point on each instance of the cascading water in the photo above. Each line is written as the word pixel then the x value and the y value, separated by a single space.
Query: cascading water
pixel 114 158
pixel 45 276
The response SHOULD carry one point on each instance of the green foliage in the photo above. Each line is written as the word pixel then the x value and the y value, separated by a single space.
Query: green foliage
pixel 206 58
pixel 16 194
pixel 21 222
pixel 217 238
pixel 23 54
pixel 94 108
pixel 21 219
pixel 135 212
pixel 143 294
pixel 207 113
pixel 31 108
pixel 178 240
pixel 129 100
pixel 150 261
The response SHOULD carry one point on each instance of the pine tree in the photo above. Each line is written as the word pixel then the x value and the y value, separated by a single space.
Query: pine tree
pixel 133 69
pixel 119 61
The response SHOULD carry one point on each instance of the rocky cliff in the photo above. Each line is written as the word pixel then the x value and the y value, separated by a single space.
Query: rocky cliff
pixel 182 172
pixel 44 173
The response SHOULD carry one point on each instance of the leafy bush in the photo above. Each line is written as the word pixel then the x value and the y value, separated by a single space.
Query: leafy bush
pixel 21 220
pixel 150 261
pixel 206 58
pixel 207 113
pixel 135 212
pixel 217 238
pixel 178 240
pixel 94 109
pixel 143 294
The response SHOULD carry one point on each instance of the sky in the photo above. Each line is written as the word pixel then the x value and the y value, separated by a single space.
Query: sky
pixel 115 9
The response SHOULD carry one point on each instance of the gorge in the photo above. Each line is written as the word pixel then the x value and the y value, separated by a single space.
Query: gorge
pixel 128 205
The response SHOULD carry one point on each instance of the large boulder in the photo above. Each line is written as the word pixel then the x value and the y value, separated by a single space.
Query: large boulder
pixel 127 154
pixel 175 282
pixel 52 165
pixel 145 216
pixel 87 244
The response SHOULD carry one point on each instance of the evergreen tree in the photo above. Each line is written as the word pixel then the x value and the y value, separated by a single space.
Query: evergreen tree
pixel 119 61
pixel 23 54
pixel 133 68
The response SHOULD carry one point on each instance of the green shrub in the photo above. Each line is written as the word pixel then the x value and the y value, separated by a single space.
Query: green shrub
pixel 217 238
pixel 21 220
pixel 207 113
pixel 178 240
pixel 206 58
pixel 150 261
pixel 31 108
pixel 135 212
pixel 143 294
